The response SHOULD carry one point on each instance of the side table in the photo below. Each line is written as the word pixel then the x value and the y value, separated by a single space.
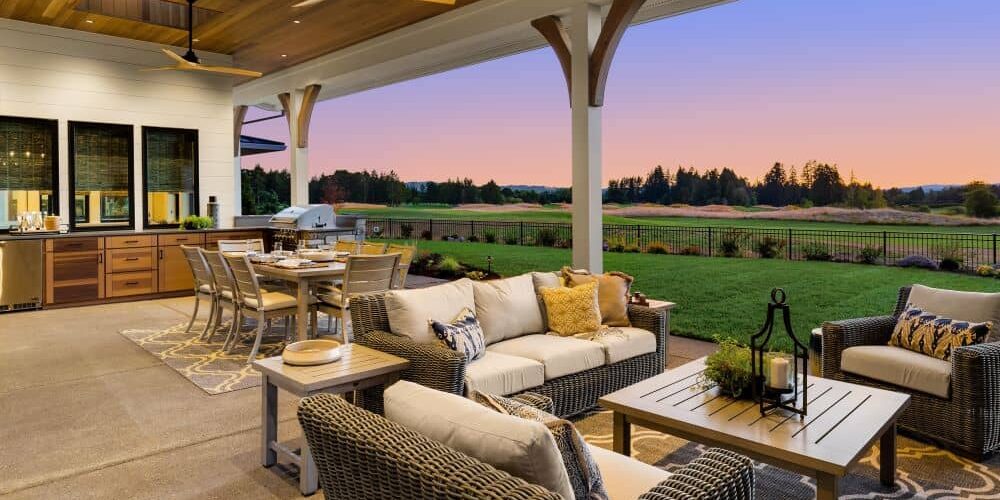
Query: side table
pixel 359 368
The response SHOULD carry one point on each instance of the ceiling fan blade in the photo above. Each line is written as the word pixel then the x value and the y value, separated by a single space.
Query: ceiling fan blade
pixel 161 68
pixel 445 2
pixel 175 56
pixel 306 3
pixel 225 70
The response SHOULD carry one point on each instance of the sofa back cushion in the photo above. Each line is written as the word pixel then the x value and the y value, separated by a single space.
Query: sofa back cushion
pixel 507 308
pixel 975 307
pixel 517 446
pixel 411 311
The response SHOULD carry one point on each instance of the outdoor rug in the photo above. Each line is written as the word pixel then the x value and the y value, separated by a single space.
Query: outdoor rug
pixel 205 364
pixel 924 471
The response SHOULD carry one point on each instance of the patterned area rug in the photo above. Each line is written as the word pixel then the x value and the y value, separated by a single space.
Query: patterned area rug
pixel 205 364
pixel 924 471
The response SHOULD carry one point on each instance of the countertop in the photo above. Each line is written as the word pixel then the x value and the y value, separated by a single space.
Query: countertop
pixel 124 232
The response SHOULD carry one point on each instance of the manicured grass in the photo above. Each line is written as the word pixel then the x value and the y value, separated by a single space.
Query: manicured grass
pixel 728 297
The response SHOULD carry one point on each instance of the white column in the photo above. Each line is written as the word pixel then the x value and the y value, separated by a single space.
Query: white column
pixel 588 237
pixel 299 166
pixel 237 185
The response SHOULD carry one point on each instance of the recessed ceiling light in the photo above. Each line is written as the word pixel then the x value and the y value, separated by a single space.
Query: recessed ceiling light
pixel 195 40
pixel 296 21
pixel 90 21
pixel 284 55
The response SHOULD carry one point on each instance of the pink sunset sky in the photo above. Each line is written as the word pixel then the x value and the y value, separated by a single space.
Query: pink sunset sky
pixel 900 92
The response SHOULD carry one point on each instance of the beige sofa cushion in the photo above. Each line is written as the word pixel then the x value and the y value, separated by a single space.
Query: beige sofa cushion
pixel 507 308
pixel 410 311
pixel 621 343
pixel 500 374
pixel 520 447
pixel 561 355
pixel 899 366
pixel 626 478
pixel 964 306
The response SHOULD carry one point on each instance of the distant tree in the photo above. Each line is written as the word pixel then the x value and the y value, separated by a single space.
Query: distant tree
pixel 657 186
pixel 772 190
pixel 827 186
pixel 491 193
pixel 980 201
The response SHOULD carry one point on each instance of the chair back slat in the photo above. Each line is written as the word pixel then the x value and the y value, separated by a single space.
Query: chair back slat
pixel 406 255
pixel 244 276
pixel 345 246
pixel 221 273
pixel 369 273
pixel 254 244
pixel 199 268
pixel 372 248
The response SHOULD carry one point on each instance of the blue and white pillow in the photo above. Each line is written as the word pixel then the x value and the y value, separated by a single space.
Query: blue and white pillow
pixel 464 334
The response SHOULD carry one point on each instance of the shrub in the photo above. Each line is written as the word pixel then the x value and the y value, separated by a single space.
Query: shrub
pixel 475 275
pixel 731 243
pixel 980 200
pixel 426 235
pixel 870 255
pixel 816 251
pixel 985 270
pixel 951 258
pixel 406 231
pixel 510 240
pixel 449 264
pixel 490 237
pixel 770 247
pixel 691 250
pixel 546 237
pixel 615 245
pixel 632 248
pixel 657 248
pixel 918 261
pixel 473 239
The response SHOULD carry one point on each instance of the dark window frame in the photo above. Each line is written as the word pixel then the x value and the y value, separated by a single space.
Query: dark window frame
pixel 53 126
pixel 72 176
pixel 196 203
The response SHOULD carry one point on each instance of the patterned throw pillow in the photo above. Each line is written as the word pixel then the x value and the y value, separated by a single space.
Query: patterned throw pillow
pixel 463 335
pixel 933 335
pixel 584 475
pixel 572 310
pixel 612 293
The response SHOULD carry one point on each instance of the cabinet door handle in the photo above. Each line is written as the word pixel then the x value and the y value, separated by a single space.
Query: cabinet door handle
pixel 131 241
pixel 130 259
pixel 100 258
pixel 160 251
pixel 131 283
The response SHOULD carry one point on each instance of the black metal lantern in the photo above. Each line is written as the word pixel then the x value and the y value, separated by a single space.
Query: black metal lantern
pixel 778 378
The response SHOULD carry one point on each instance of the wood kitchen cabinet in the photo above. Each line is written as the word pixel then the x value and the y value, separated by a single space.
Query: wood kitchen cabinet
pixel 74 270
pixel 174 272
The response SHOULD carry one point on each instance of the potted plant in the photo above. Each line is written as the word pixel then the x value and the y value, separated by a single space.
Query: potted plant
pixel 193 222
pixel 729 368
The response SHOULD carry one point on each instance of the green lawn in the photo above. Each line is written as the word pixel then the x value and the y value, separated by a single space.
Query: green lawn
pixel 560 215
pixel 728 297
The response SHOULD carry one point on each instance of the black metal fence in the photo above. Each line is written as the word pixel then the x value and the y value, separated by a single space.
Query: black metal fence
pixel 967 250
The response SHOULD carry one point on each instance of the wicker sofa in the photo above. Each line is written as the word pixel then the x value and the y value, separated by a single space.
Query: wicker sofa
pixel 443 369
pixel 360 455
pixel 962 413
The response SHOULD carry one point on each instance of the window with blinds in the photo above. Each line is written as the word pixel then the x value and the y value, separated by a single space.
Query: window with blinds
pixel 101 177
pixel 28 168
pixel 170 169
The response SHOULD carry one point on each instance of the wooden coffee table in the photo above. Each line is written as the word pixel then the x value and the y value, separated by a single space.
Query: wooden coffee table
pixel 844 421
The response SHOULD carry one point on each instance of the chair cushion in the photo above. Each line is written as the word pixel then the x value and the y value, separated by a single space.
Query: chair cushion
pixel 272 301
pixel 507 308
pixel 410 311
pixel 496 373
pixel 572 310
pixel 520 447
pixel 612 293
pixel 934 335
pixel 899 366
pixel 206 288
pixel 561 355
pixel 463 335
pixel 331 295
pixel 545 280
pixel 626 478
pixel 621 343
pixel 966 306
pixel 584 475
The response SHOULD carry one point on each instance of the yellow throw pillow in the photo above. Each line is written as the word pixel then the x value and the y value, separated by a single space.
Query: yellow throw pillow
pixel 612 293
pixel 572 310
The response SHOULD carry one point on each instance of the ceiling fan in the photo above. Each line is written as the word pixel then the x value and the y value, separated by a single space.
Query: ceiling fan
pixel 307 3
pixel 190 61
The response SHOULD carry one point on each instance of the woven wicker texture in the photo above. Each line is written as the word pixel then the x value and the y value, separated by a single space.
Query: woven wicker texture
pixel 968 422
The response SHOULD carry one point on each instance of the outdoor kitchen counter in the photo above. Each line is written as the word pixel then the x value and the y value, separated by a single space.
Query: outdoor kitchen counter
pixel 126 232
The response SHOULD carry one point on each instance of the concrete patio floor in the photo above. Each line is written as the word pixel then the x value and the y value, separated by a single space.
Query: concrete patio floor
pixel 86 413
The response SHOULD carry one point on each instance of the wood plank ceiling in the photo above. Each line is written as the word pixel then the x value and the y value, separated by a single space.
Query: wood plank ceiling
pixel 263 35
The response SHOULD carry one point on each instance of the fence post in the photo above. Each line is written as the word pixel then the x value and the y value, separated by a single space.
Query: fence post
pixel 994 249
pixel 520 233
pixel 638 236
pixel 430 228
pixel 472 228
pixel 709 241
pixel 789 244
pixel 885 248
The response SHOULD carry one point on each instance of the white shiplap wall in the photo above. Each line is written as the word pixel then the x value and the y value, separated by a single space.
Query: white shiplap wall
pixel 69 75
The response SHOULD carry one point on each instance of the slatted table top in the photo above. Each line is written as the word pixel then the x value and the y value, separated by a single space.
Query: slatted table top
pixel 843 420
pixel 356 363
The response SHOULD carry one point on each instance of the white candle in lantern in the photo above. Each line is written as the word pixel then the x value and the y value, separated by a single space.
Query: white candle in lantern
pixel 779 373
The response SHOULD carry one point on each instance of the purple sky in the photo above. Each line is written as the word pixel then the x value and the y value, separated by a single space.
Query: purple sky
pixel 901 92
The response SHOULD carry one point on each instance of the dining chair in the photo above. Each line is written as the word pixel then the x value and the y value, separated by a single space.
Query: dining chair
pixel 349 246
pixel 406 254
pixel 363 274
pixel 225 293
pixel 263 305
pixel 204 286
pixel 372 248
pixel 255 244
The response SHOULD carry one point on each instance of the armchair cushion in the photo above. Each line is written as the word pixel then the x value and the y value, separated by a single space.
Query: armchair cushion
pixel 410 311
pixel 621 343
pixel 966 306
pixel 626 478
pixel 561 356
pixel 517 446
pixel 898 366
pixel 502 374
pixel 507 308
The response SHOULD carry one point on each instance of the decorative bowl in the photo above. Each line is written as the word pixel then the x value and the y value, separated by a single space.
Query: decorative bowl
pixel 342 254
pixel 263 258
pixel 317 256
pixel 311 352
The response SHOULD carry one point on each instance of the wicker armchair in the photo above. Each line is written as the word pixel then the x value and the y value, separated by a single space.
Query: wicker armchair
pixel 361 455
pixel 444 369
pixel 967 422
